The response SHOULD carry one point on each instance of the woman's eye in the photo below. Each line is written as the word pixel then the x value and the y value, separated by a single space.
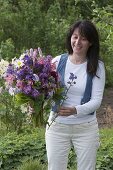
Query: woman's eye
pixel 83 38
pixel 75 37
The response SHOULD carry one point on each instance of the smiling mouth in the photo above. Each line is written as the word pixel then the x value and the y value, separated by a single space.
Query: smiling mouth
pixel 77 47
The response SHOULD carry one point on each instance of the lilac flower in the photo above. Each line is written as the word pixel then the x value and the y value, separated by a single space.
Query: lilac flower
pixel 27 60
pixel 49 57
pixel 72 76
pixel 10 69
pixel 35 93
pixel 35 52
pixel 20 84
pixel 37 67
pixel 20 74
pixel 47 68
pixel 43 75
pixel 27 89
pixel 29 77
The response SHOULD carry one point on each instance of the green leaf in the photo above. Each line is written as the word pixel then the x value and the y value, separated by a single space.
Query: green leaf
pixel 21 98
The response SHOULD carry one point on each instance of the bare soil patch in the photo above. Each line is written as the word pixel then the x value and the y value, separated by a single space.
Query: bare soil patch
pixel 105 112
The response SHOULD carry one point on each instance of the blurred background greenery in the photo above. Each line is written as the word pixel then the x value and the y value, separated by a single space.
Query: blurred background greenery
pixel 44 23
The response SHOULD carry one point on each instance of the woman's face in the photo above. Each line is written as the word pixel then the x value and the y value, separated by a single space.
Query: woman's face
pixel 79 44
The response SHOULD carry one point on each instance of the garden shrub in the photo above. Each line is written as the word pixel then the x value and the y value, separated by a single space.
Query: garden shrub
pixel 31 164
pixel 105 152
pixel 15 148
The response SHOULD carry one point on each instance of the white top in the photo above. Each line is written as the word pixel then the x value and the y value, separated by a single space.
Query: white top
pixel 75 93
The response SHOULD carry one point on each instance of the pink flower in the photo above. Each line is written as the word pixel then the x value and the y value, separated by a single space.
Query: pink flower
pixel 35 53
pixel 20 84
pixel 30 82
pixel 41 60
pixel 10 79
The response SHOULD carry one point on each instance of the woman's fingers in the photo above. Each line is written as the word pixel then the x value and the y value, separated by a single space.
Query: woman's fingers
pixel 66 111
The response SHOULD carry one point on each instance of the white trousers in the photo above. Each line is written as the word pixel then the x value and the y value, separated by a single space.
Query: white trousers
pixel 59 139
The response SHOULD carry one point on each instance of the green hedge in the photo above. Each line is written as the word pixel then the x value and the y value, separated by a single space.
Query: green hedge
pixel 15 148
pixel 105 152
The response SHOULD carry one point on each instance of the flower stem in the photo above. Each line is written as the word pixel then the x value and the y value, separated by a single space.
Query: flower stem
pixel 67 89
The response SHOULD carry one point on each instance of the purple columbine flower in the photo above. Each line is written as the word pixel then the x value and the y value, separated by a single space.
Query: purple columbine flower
pixel 49 58
pixel 47 68
pixel 38 67
pixel 27 89
pixel 20 74
pixel 29 77
pixel 35 93
pixel 27 60
pixel 43 75
pixel 10 69
pixel 72 76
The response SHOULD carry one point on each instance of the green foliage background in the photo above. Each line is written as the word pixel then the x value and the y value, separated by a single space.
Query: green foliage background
pixel 44 23
pixel 25 24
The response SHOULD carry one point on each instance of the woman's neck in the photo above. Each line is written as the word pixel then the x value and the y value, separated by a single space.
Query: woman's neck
pixel 75 59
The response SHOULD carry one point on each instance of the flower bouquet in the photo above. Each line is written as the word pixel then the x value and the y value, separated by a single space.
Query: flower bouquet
pixel 33 82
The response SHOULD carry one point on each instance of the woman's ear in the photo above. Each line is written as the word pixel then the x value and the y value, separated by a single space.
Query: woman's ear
pixel 90 44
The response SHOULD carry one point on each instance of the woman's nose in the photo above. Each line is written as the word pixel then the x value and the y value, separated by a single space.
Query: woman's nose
pixel 78 41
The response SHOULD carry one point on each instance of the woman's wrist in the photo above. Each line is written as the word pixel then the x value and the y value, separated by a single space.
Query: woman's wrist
pixel 74 111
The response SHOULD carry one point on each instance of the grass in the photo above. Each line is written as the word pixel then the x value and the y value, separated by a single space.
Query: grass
pixel 31 164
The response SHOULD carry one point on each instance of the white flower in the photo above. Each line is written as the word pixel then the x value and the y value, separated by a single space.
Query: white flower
pixel 18 63
pixel 24 108
pixel 12 91
pixel 3 67
pixel 40 52
pixel 36 77
pixel 13 60
pixel 22 56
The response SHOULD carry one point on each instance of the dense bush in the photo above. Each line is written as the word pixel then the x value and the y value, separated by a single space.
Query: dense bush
pixel 105 152
pixel 32 164
pixel 104 23
pixel 7 49
pixel 10 114
pixel 15 148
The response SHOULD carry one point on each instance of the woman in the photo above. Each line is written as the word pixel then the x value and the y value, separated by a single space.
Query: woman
pixel 76 122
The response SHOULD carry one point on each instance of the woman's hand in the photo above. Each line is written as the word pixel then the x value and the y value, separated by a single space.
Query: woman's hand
pixel 67 111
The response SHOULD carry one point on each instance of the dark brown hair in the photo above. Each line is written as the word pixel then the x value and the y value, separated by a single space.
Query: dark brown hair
pixel 89 31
